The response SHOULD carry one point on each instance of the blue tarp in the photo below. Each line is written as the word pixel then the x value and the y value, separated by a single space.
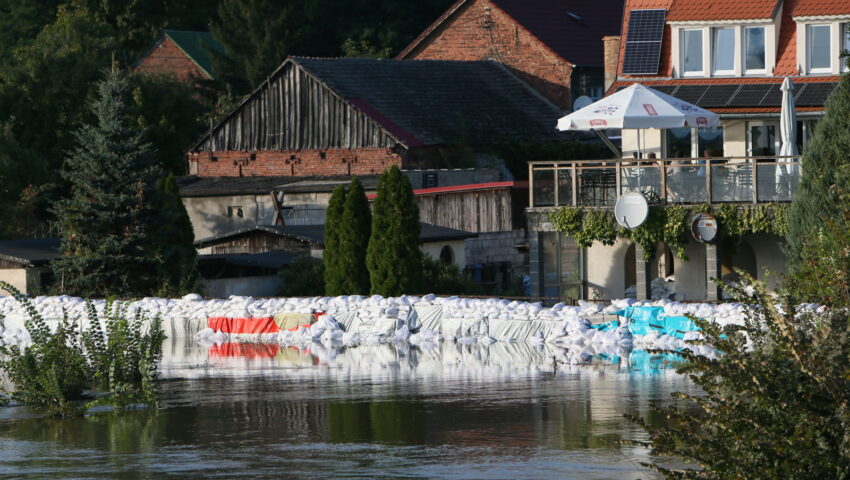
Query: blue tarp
pixel 644 320
pixel 645 362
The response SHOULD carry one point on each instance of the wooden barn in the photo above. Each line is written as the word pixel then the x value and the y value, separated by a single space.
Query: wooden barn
pixel 355 116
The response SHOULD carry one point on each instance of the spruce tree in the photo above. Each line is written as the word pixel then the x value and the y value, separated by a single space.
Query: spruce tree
pixel 105 223
pixel 355 229
pixel 817 198
pixel 393 257
pixel 334 281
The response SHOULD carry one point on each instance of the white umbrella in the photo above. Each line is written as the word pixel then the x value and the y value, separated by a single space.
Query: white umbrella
pixel 788 120
pixel 638 107
pixel 787 128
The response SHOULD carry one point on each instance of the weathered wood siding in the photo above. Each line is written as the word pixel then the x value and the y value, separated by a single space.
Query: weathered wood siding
pixel 291 111
pixel 477 211
pixel 260 243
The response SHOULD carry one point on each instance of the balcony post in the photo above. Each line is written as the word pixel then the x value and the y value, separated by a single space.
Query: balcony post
pixel 712 270
pixel 557 183
pixel 641 283
pixel 708 180
pixel 663 167
pixel 530 184
pixel 574 181
pixel 617 180
pixel 755 180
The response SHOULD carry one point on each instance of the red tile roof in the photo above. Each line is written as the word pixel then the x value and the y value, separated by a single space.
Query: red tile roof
pixel 696 10
pixel 806 8
pixel 786 47
pixel 576 38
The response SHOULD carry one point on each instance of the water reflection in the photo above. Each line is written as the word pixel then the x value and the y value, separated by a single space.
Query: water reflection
pixel 265 411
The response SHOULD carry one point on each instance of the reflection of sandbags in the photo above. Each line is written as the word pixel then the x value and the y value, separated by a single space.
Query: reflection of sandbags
pixel 428 317
pixel 288 321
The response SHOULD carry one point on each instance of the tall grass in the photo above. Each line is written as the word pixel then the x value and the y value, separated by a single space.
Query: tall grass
pixel 113 354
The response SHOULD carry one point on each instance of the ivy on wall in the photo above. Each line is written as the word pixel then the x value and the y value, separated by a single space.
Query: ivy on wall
pixel 670 224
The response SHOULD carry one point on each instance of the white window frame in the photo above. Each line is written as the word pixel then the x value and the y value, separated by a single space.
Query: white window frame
pixel 844 44
pixel 808 52
pixel 771 31
pixel 729 72
pixel 695 73
pixel 753 71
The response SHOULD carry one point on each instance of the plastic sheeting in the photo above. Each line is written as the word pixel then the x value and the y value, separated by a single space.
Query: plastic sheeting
pixel 243 325
pixel 514 330
pixel 289 321
pixel 426 317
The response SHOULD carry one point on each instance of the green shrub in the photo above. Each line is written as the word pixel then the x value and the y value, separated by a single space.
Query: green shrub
pixel 305 277
pixel 53 374
pixel 447 279
pixel 775 402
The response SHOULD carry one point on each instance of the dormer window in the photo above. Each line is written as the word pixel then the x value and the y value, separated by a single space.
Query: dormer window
pixel 724 51
pixel 754 48
pixel 818 51
pixel 692 52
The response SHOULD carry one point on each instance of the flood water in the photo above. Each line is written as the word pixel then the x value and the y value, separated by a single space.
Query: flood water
pixel 457 412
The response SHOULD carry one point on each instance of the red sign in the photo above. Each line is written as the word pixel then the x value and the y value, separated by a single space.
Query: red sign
pixel 649 109
pixel 702 121
pixel 598 123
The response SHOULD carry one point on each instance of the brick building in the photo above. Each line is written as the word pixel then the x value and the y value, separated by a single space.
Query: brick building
pixel 351 116
pixel 184 55
pixel 553 45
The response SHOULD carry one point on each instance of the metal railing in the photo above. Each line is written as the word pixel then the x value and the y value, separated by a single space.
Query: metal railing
pixel 598 183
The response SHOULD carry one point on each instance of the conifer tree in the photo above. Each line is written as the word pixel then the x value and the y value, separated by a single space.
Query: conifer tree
pixel 334 281
pixel 172 241
pixel 107 221
pixel 355 230
pixel 817 198
pixel 393 257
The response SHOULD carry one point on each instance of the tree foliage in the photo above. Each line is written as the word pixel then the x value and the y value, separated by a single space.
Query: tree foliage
pixel 333 274
pixel 393 257
pixel 775 401
pixel 824 177
pixel 110 222
pixel 355 229
pixel 303 278
pixel 447 279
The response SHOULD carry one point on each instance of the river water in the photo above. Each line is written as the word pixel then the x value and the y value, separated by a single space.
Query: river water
pixel 263 411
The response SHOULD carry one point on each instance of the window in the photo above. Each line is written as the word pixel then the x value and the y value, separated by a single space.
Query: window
pixel 710 142
pixel 447 255
pixel 560 266
pixel 724 51
pixel 754 48
pixel 692 51
pixel 678 142
pixel 817 44
pixel 693 143
pixel 235 210
pixel 845 43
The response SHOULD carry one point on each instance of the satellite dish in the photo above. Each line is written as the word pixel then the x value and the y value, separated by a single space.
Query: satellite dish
pixel 704 227
pixel 631 210
pixel 582 102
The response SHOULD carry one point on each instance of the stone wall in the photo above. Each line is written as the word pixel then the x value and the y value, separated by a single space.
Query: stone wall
pixel 496 247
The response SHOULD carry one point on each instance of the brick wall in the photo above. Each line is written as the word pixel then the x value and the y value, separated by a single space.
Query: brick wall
pixel 299 163
pixel 481 31
pixel 612 57
pixel 167 58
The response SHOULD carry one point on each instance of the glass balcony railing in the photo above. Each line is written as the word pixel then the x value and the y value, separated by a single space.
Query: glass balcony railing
pixel 597 183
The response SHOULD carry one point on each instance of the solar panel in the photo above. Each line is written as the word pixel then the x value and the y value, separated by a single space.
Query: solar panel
pixel 814 94
pixel 750 95
pixel 717 95
pixel 691 93
pixel 773 97
pixel 667 89
pixel 643 42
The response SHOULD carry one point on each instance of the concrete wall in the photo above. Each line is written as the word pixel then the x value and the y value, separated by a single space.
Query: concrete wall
pixel 690 275
pixel 17 277
pixel 433 250
pixel 495 247
pixel 209 215
pixel 770 258
pixel 606 268
pixel 260 286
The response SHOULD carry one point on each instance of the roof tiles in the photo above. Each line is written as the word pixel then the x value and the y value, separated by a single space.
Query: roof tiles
pixel 698 10
pixel 807 8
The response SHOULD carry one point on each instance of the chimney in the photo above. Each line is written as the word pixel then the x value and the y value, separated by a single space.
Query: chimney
pixel 611 54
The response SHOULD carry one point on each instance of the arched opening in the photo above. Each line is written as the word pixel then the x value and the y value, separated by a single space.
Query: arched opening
pixel 661 269
pixel 736 255
pixel 447 255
